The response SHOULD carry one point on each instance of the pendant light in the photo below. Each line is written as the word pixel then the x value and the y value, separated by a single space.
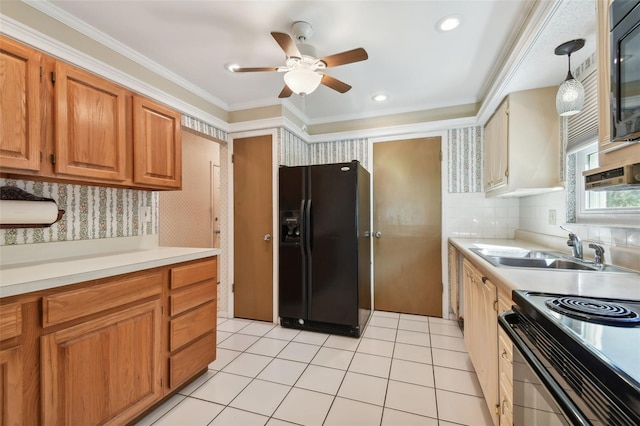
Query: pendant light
pixel 570 97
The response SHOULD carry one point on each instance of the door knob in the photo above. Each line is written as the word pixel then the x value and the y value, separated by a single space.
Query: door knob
pixel 378 234
pixel 267 237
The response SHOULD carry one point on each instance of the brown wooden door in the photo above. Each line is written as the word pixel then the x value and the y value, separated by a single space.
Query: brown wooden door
pixel 407 213
pixel 104 369
pixel 253 233
pixel 157 144
pixel 90 125
pixel 20 122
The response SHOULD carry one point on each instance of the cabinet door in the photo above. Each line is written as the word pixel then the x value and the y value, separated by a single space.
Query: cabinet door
pixel 157 145
pixel 104 370
pixel 500 154
pixel 487 350
pixel 19 106
pixel 11 387
pixel 90 125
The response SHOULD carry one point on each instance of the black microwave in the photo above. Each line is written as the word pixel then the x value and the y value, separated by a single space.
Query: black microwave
pixel 625 70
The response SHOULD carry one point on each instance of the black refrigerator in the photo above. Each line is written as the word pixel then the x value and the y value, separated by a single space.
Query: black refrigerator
pixel 325 248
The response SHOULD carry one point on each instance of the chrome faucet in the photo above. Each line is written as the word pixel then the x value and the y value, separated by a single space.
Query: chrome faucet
pixel 575 243
pixel 599 255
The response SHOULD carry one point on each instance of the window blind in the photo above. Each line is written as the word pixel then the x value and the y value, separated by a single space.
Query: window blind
pixel 583 127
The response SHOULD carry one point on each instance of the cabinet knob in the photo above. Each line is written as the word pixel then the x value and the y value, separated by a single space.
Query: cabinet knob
pixel 504 356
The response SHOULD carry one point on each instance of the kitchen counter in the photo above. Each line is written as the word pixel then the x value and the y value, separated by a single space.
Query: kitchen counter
pixel 20 278
pixel 594 284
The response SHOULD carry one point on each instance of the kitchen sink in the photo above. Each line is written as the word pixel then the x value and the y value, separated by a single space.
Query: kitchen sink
pixel 518 258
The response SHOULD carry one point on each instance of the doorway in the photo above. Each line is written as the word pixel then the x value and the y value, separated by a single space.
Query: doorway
pixel 407 224
pixel 190 217
pixel 253 224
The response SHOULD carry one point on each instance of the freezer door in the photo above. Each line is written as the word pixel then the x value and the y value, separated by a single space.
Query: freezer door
pixel 292 254
pixel 333 244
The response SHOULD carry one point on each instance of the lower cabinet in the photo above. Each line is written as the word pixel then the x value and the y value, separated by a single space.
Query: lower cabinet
pixel 104 370
pixel 193 319
pixel 11 383
pixel 481 332
pixel 106 350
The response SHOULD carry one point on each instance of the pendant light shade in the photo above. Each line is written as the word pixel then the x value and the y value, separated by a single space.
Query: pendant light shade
pixel 570 96
pixel 302 81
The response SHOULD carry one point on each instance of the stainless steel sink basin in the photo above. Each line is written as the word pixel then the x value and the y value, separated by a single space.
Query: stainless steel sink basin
pixel 541 260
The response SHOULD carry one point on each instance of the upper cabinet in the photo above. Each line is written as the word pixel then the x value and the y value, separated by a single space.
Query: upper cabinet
pixel 90 130
pixel 522 145
pixel 610 153
pixel 64 124
pixel 157 147
pixel 20 107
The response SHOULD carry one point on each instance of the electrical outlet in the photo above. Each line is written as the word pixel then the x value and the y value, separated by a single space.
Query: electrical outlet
pixel 145 214
pixel 552 216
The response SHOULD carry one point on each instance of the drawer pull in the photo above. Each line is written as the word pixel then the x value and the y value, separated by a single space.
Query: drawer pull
pixel 505 357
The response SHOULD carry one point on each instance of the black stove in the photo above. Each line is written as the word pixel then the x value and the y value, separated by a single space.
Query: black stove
pixel 590 344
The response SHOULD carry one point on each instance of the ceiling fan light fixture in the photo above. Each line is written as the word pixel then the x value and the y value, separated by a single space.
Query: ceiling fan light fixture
pixel 570 96
pixel 302 81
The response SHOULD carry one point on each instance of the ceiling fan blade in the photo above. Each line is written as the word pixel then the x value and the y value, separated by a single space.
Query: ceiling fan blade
pixel 334 83
pixel 286 92
pixel 348 57
pixel 287 44
pixel 258 69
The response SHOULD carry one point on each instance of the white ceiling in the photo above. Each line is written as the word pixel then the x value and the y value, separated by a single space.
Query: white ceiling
pixel 417 66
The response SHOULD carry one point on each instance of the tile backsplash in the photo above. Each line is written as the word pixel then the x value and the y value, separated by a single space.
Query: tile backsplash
pixel 91 212
pixel 471 215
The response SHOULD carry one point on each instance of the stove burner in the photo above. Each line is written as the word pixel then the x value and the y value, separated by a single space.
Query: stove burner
pixel 594 310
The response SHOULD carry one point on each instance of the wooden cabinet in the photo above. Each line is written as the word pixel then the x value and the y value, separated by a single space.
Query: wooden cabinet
pixel 157 145
pixel 86 129
pixel 481 332
pixel 505 364
pixel 522 145
pixel 20 107
pixel 496 134
pixel 107 367
pixel 193 318
pixel 11 378
pixel 105 351
pixel 609 153
pixel 90 126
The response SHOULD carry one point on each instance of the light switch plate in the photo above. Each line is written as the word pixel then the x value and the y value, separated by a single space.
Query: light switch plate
pixel 552 216
pixel 145 214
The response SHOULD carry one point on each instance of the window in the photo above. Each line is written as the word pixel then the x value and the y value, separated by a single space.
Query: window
pixel 602 205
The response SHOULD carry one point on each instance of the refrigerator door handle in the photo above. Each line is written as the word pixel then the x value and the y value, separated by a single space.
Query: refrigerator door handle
pixel 303 226
pixel 307 223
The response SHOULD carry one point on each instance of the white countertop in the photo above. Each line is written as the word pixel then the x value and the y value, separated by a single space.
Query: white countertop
pixel 20 278
pixel 594 284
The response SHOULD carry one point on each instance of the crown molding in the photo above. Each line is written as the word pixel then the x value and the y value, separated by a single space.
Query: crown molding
pixel 53 47
pixel 541 14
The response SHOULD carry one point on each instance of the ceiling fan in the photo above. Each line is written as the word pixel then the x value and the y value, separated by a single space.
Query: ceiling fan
pixel 303 69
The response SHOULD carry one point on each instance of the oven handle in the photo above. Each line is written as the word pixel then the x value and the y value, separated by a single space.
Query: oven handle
pixel 506 321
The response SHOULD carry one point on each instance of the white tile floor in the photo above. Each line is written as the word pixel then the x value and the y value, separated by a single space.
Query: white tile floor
pixel 404 370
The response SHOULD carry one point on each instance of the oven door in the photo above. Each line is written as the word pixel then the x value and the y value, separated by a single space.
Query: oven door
pixel 538 399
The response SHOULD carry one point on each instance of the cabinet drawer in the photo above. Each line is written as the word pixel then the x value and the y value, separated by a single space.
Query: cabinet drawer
pixel 190 360
pixel 190 297
pixel 74 304
pixel 192 325
pixel 196 272
pixel 10 320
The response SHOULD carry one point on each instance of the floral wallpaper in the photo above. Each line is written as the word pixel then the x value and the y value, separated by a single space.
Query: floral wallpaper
pixel 465 159
pixel 91 212
pixel 340 152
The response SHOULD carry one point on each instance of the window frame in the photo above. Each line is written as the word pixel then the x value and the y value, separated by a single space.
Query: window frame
pixel 626 216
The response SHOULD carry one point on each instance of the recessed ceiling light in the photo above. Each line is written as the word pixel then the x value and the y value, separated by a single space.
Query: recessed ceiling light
pixel 380 98
pixel 232 67
pixel 448 23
